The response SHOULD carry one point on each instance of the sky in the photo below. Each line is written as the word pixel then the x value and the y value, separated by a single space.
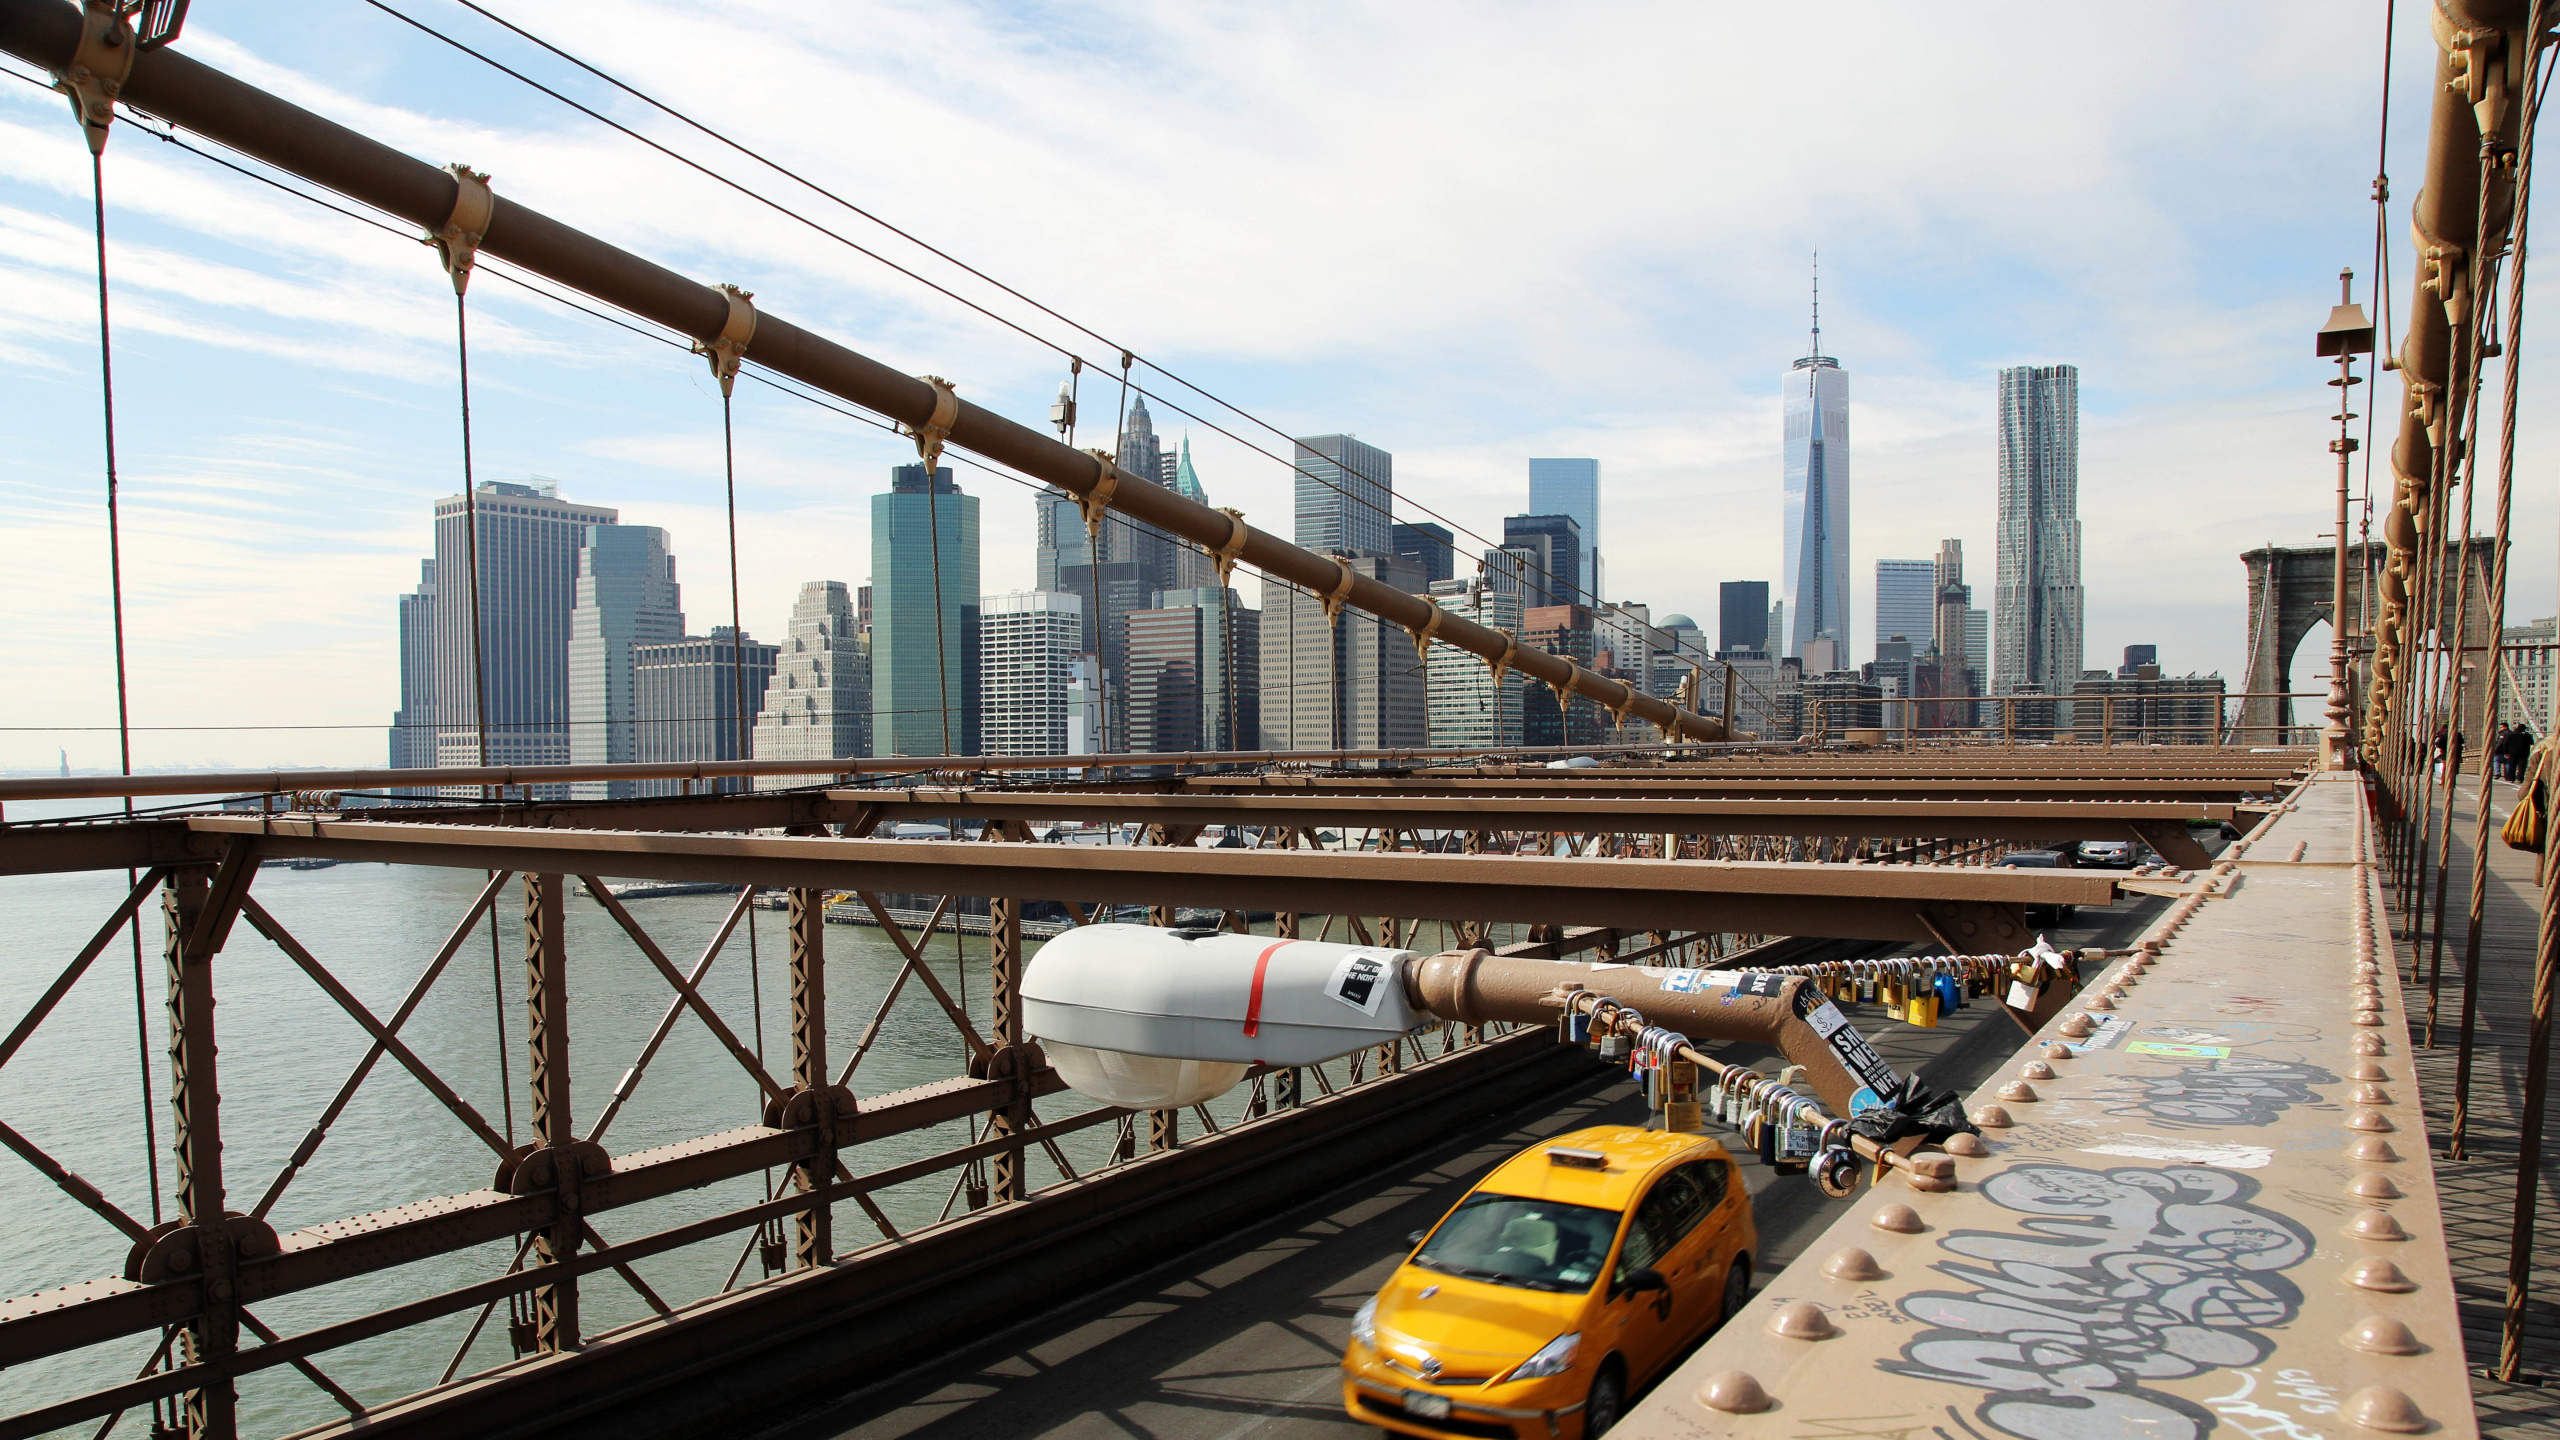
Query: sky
pixel 1470 234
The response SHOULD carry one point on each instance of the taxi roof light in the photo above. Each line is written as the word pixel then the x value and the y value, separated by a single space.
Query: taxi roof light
pixel 1578 1159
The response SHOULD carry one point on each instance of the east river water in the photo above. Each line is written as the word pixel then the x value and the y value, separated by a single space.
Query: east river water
pixel 77 1090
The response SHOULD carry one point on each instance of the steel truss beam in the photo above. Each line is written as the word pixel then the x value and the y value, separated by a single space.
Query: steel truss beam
pixel 1860 902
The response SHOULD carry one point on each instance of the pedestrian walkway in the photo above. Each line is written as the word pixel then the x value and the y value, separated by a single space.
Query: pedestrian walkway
pixel 2479 1190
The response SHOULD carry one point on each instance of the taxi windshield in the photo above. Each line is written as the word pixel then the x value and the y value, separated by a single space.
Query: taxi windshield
pixel 1511 1240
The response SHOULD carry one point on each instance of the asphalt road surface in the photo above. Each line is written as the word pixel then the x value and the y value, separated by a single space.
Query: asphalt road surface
pixel 1238 1341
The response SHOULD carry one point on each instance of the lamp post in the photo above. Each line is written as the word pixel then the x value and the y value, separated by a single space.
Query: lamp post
pixel 2347 335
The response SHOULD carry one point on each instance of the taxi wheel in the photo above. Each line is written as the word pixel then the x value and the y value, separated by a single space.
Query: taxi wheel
pixel 1608 1401
pixel 1737 1288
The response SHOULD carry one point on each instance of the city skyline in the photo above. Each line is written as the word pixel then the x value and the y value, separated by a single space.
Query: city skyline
pixel 270 497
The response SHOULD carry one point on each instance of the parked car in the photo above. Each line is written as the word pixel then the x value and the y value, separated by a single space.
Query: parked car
pixel 2041 860
pixel 1577 1272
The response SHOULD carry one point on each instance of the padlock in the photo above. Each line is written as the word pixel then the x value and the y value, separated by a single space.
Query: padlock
pixel 1836 1171
pixel 1922 1010
pixel 1615 1046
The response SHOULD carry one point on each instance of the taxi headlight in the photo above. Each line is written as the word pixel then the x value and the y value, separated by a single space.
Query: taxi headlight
pixel 1553 1358
pixel 1364 1324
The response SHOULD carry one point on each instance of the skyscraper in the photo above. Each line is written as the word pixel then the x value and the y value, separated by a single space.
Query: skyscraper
pixel 686 696
pixel 413 735
pixel 1029 642
pixel 1192 567
pixel 1353 682
pixel 1194 673
pixel 1906 601
pixel 2036 612
pixel 1815 577
pixel 1430 546
pixel 1572 487
pixel 1959 657
pixel 528 541
pixel 818 704
pixel 924 640
pixel 1555 577
pixel 626 596
pixel 1344 491
pixel 1467 704
pixel 1742 615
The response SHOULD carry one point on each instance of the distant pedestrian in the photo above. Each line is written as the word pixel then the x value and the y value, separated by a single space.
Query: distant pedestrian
pixel 2514 751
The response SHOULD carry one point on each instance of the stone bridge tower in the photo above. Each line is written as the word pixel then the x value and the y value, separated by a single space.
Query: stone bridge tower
pixel 2290 590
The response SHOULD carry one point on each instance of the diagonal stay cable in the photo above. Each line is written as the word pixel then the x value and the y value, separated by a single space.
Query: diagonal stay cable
pixel 781 209
pixel 880 1017
pixel 924 972
pixel 80 963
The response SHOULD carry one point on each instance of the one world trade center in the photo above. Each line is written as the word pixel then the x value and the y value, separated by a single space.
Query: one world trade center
pixel 1815 577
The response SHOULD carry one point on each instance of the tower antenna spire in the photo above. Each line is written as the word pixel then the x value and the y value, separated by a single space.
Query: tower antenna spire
pixel 1816 351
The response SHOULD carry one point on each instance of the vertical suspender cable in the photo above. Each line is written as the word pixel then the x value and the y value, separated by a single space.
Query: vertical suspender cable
pixel 2457 1140
pixel 480 679
pixel 738 689
pixel 124 712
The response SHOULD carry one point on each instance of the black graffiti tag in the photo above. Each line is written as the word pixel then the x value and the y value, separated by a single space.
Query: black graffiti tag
pixel 2118 1280
pixel 2235 1090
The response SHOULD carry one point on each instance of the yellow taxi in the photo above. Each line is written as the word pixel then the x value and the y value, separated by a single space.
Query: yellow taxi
pixel 1572 1275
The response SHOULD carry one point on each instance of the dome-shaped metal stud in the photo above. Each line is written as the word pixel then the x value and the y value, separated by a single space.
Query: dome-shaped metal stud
pixel 2373 1187
pixel 1804 1320
pixel 2368 1017
pixel 2373 1150
pixel 2379 1274
pixel 2376 1225
pixel 2379 1407
pixel 2018 1092
pixel 1734 1393
pixel 1903 1220
pixel 2369 1045
pixel 2076 1026
pixel 2035 1070
pixel 2381 1335
pixel 1857 1266
pixel 2372 1095
pixel 2367 1070
pixel 2372 1122
pixel 1990 1117
pixel 2057 1052
pixel 2098 1002
pixel 1967 1144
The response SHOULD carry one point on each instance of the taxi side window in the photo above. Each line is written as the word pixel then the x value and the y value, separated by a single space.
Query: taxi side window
pixel 1712 1179
pixel 1668 1210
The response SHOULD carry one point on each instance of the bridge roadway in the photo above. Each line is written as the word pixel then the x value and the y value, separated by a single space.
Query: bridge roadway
pixel 1239 1341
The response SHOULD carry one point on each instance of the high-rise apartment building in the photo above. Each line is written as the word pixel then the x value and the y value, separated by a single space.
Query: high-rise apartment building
pixel 527 550
pixel 1351 682
pixel 1568 631
pixel 626 596
pixel 1907 601
pixel 1029 645
pixel 1554 575
pixel 1624 636
pixel 1195 667
pixel 1508 568
pixel 1430 546
pixel 818 704
pixel 1468 705
pixel 924 616
pixel 1814 581
pixel 1344 492
pixel 1572 487
pixel 2037 610
pixel 693 699
pixel 413 733
pixel 1742 615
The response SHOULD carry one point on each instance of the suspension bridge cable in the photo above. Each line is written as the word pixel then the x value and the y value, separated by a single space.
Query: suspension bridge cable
pixel 124 710
pixel 1036 338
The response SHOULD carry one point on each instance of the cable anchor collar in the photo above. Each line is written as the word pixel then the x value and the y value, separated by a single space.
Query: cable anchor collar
pixel 99 68
pixel 729 349
pixel 1096 502
pixel 1224 557
pixel 458 241
pixel 1423 632
pixel 1341 592
pixel 936 430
